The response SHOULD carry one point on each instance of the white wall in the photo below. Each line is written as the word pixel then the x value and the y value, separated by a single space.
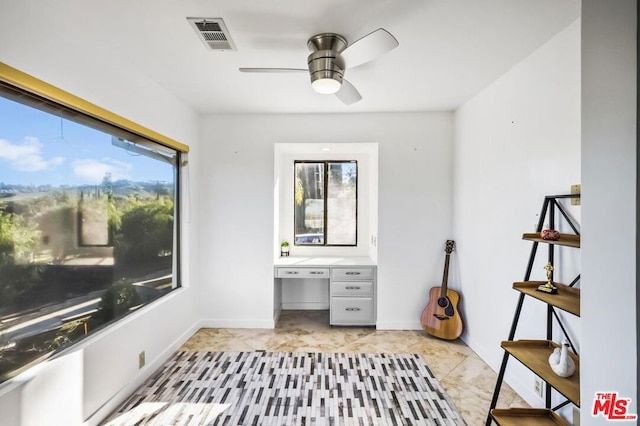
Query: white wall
pixel 414 213
pixel 609 168
pixel 90 380
pixel 515 142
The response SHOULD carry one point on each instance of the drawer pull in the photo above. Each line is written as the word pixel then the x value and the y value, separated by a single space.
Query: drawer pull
pixel 290 272
pixel 352 309
pixel 316 273
pixel 352 287
pixel 352 273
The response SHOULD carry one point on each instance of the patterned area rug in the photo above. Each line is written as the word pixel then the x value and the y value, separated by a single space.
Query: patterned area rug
pixel 276 388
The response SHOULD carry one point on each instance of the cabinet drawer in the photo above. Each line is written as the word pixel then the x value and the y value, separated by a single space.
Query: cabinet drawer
pixel 343 274
pixel 289 272
pixel 355 288
pixel 352 311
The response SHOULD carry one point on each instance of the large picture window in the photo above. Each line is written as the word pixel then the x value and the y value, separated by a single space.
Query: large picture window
pixel 326 203
pixel 88 227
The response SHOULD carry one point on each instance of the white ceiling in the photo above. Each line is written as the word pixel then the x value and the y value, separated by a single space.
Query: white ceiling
pixel 449 49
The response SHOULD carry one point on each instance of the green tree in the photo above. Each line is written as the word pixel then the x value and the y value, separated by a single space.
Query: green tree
pixel 146 230
pixel 17 238
pixel 17 277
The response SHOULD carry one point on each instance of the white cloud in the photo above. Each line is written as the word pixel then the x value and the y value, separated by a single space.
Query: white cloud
pixel 27 156
pixel 94 170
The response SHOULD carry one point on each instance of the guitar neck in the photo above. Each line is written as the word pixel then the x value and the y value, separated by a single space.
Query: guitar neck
pixel 445 276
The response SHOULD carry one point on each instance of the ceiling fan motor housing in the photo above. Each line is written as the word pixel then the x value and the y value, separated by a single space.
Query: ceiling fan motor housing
pixel 325 61
pixel 325 64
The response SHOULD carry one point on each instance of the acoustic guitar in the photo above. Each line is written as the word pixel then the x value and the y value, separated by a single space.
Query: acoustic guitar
pixel 441 317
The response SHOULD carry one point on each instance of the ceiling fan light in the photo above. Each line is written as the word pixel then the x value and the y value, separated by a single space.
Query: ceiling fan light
pixel 326 86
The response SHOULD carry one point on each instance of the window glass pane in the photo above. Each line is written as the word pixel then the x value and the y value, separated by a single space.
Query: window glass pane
pixel 342 203
pixel 87 231
pixel 309 203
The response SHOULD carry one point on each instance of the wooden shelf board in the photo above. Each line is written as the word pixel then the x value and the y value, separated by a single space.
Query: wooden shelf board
pixel 527 417
pixel 534 354
pixel 570 240
pixel 567 299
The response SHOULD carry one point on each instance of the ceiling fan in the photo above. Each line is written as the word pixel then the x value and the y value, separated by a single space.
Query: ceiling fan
pixel 331 55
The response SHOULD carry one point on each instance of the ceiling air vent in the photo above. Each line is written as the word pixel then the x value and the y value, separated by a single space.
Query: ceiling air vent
pixel 213 33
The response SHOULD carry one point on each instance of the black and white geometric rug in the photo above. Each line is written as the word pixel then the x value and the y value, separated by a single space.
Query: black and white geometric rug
pixel 277 388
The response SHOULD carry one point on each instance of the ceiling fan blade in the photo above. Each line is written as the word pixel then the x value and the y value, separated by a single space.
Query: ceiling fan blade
pixel 273 70
pixel 348 94
pixel 369 48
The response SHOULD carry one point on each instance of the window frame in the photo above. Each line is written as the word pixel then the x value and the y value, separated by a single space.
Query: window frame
pixel 325 198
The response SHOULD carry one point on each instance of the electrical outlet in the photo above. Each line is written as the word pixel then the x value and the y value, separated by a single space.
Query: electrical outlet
pixel 538 386
pixel 141 360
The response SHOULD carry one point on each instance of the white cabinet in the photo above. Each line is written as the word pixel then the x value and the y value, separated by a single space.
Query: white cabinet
pixel 352 311
pixel 352 286
pixel 355 273
pixel 353 296
pixel 306 272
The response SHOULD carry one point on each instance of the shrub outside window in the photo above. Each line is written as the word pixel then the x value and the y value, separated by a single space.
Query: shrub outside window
pixel 326 203
pixel 88 227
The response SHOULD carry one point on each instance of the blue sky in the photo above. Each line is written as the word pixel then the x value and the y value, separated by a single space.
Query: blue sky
pixel 40 148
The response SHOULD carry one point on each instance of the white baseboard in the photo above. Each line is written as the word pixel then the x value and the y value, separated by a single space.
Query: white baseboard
pixel 398 325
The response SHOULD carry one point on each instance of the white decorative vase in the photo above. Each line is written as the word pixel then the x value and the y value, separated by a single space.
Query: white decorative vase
pixel 560 361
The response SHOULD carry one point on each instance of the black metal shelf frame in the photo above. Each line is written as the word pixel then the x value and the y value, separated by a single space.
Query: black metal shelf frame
pixel 549 207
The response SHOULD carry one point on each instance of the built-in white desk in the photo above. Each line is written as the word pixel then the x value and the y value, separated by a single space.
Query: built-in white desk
pixel 352 285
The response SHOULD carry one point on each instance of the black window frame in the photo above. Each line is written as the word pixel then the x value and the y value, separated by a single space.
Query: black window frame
pixel 325 164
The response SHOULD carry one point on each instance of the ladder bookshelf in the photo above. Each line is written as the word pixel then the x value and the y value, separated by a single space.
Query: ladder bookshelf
pixel 534 354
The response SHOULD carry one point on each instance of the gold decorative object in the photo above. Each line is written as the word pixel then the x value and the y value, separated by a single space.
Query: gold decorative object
pixel 548 287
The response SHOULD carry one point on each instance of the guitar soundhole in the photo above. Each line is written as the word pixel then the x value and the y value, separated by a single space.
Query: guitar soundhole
pixel 443 302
